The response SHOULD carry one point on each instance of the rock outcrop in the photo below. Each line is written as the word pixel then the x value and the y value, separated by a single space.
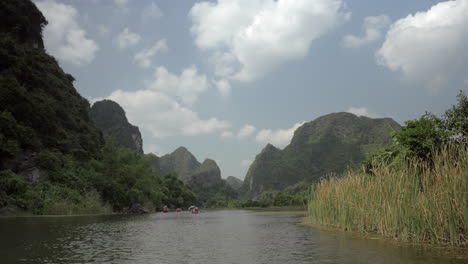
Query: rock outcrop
pixel 318 148
pixel 206 176
pixel 111 119
pixel 180 162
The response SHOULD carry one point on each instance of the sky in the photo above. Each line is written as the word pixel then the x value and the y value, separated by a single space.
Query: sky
pixel 226 77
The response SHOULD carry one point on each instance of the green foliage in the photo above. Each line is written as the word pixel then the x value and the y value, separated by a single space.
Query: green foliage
pixel 14 137
pixel 13 189
pixel 43 116
pixel 329 144
pixel 415 200
pixel 175 193
pixel 421 137
pixel 455 120
pixel 43 102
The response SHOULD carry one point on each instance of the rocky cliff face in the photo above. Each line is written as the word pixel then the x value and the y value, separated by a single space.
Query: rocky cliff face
pixel 318 148
pixel 22 20
pixel 205 176
pixel 42 116
pixel 111 119
pixel 234 182
pixel 180 162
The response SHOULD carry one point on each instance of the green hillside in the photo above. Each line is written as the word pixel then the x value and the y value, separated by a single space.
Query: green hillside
pixel 234 182
pixel 53 160
pixel 326 145
pixel 204 178
pixel 180 162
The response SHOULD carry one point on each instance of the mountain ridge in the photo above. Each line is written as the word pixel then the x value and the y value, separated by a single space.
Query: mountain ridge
pixel 325 145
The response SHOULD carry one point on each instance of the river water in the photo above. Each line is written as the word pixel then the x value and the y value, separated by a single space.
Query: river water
pixel 233 236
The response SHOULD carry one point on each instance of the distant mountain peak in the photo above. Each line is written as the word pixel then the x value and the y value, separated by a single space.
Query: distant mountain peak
pixel 181 149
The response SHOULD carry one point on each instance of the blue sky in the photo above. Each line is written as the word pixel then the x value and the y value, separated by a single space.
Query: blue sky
pixel 224 78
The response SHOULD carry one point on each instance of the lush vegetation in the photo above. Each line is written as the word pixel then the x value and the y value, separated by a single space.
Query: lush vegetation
pixel 414 190
pixel 293 196
pixel 114 183
pixel 53 159
pixel 328 144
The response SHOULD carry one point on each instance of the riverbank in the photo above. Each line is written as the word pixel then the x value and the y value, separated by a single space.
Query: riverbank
pixel 409 202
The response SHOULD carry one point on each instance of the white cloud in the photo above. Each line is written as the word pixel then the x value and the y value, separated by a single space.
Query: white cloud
pixel 186 87
pixel 249 38
pixel 63 36
pixel 159 114
pixel 227 134
pixel 151 12
pixel 245 163
pixel 430 47
pixel 223 87
pixel 126 39
pixel 372 27
pixel 246 131
pixel 144 58
pixel 362 111
pixel 280 138
pixel 121 3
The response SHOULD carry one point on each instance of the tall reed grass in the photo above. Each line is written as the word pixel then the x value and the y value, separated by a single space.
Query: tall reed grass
pixel 410 200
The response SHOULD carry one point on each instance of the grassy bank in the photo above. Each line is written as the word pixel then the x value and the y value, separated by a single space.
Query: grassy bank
pixel 408 201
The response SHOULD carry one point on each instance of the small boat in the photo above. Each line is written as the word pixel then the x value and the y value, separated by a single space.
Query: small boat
pixel 178 210
pixel 195 210
pixel 165 209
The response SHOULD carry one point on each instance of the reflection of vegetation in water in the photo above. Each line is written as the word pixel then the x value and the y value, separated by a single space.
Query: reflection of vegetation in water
pixel 415 190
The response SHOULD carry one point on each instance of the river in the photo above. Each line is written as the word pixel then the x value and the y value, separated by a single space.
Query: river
pixel 231 236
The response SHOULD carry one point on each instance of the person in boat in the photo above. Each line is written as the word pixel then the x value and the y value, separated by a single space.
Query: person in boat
pixel 165 209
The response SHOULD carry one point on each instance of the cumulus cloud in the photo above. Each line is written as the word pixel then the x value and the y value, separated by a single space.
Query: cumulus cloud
pixel 429 47
pixel 279 138
pixel 245 163
pixel 151 12
pixel 362 111
pixel 63 36
pixel 162 116
pixel 145 57
pixel 223 87
pixel 227 134
pixel 246 131
pixel 126 39
pixel 372 27
pixel 249 39
pixel 187 86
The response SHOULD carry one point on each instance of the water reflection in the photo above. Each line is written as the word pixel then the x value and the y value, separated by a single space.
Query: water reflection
pixel 209 237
